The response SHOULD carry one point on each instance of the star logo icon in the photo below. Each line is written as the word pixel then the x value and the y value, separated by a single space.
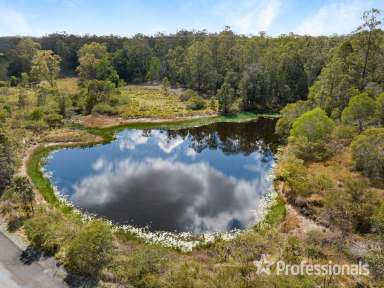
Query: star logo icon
pixel 263 266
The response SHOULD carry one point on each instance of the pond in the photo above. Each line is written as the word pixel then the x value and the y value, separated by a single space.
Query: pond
pixel 202 179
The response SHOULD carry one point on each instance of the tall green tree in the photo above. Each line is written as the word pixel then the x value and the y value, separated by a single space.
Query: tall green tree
pixel 21 56
pixel 367 152
pixel 370 37
pixel 23 189
pixel 45 66
pixel 361 110
pixel 226 96
pixel 310 135
pixel 201 73
pixel 253 88
pixel 153 73
pixel 176 65
pixel 95 63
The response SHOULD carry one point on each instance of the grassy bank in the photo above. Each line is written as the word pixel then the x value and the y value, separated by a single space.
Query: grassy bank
pixel 42 183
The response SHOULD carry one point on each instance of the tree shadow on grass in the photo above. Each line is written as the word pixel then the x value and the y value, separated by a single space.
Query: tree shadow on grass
pixel 76 280
pixel 30 255
pixel 15 223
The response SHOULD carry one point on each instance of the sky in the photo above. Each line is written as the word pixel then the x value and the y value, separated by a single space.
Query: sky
pixel 129 17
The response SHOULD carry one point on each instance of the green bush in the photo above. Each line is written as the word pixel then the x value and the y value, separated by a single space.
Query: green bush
pixel 295 175
pixel 196 103
pixel 310 135
pixel 36 114
pixel 320 184
pixel 22 188
pixel 289 114
pixel 188 94
pixel 378 219
pixel 54 120
pixel 114 101
pixel 361 110
pixel 314 125
pixel 367 152
pixel 104 109
pixel 352 207
pixel 344 134
pixel 36 126
pixel 380 107
pixel 142 266
pixel 188 275
pixel 50 231
pixel 6 161
pixel 90 249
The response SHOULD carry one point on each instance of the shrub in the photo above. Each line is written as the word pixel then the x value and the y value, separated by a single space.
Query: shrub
pixel 310 133
pixel 90 250
pixel 188 94
pixel 142 265
pixel 380 107
pixel 360 111
pixel 295 175
pixel 186 276
pixel 196 103
pixel 320 184
pixel 50 231
pixel 314 125
pixel 54 120
pixel 344 134
pixel 378 219
pixel 37 114
pixel 352 207
pixel 6 161
pixel 293 251
pixel 36 126
pixel 289 114
pixel 98 92
pixel 367 152
pixel 114 101
pixel 23 190
pixel 375 260
pixel 104 109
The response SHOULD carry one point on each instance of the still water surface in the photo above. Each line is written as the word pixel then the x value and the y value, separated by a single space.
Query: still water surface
pixel 203 179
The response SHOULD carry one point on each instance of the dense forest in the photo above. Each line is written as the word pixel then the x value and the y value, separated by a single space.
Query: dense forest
pixel 265 72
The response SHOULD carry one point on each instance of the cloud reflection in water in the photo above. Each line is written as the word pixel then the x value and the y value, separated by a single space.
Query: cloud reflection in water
pixel 170 195
pixel 201 179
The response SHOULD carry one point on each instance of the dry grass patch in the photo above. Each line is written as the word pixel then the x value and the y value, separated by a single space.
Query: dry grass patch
pixel 136 101
pixel 68 85
pixel 70 136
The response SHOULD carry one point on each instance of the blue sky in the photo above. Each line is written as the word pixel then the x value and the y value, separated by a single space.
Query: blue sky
pixel 128 17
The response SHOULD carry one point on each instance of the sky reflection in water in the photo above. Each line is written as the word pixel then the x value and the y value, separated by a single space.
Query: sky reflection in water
pixel 205 179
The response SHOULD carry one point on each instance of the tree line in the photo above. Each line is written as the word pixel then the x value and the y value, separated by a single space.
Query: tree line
pixel 257 72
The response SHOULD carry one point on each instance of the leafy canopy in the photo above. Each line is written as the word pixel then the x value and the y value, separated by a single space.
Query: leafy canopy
pixel 314 125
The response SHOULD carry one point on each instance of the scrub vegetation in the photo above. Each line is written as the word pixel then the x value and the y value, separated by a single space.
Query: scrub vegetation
pixel 329 177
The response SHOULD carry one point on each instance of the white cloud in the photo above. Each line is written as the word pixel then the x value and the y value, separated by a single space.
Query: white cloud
pixel 249 17
pixel 340 17
pixel 13 22
pixel 131 139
